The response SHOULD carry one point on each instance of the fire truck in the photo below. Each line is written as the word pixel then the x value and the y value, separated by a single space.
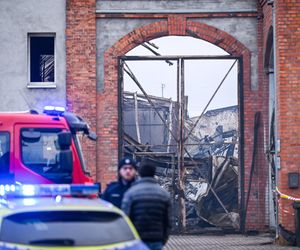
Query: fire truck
pixel 43 148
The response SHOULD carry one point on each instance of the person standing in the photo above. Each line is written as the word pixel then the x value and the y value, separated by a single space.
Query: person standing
pixel 148 206
pixel 127 171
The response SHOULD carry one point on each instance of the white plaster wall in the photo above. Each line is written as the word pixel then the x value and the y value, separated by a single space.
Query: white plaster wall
pixel 17 19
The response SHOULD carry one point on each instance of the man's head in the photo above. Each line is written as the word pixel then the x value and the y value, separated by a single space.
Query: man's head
pixel 127 169
pixel 147 170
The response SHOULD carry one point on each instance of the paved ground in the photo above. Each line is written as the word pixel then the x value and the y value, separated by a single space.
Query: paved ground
pixel 224 242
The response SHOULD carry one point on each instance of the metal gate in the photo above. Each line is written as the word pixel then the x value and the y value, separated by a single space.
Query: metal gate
pixel 198 159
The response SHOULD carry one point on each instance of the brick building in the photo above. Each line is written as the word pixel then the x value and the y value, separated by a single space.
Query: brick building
pixel 91 36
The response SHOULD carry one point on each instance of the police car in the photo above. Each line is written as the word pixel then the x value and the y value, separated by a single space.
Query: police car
pixel 62 217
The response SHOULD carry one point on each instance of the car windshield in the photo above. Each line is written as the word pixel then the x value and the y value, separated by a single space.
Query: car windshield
pixel 38 148
pixel 65 228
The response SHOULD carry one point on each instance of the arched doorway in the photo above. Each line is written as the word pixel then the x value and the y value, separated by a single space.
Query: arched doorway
pixel 109 98
pixel 180 111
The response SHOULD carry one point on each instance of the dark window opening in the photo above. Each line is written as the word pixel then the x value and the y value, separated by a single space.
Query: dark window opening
pixel 41 59
pixel 68 228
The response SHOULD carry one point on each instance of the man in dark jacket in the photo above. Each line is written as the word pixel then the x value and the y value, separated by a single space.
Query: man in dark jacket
pixel 115 191
pixel 148 206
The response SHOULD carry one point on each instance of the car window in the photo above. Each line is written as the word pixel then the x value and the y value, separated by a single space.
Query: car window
pixel 4 152
pixel 65 228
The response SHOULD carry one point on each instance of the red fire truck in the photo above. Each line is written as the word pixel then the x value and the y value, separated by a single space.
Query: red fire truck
pixel 43 148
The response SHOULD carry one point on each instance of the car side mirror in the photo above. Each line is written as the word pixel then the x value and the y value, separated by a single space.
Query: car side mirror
pixel 64 139
pixel 65 156
pixel 66 161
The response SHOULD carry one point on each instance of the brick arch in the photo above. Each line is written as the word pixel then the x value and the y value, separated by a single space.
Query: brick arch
pixel 194 29
pixel 107 99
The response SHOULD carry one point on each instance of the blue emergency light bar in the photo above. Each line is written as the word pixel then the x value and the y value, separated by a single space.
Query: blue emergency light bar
pixel 53 110
pixel 11 190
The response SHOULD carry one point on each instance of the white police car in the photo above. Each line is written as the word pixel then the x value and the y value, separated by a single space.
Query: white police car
pixel 62 217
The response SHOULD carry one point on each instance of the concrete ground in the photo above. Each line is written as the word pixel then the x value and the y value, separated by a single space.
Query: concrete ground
pixel 224 242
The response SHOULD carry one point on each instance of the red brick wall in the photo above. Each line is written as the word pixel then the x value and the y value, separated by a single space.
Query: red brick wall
pixel 81 67
pixel 288 87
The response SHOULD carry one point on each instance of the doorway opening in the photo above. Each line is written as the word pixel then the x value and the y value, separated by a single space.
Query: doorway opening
pixel 182 113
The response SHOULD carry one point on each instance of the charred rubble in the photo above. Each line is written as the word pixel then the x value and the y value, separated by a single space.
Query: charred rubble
pixel 210 159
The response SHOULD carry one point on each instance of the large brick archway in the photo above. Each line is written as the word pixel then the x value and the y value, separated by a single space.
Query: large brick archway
pixel 107 101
